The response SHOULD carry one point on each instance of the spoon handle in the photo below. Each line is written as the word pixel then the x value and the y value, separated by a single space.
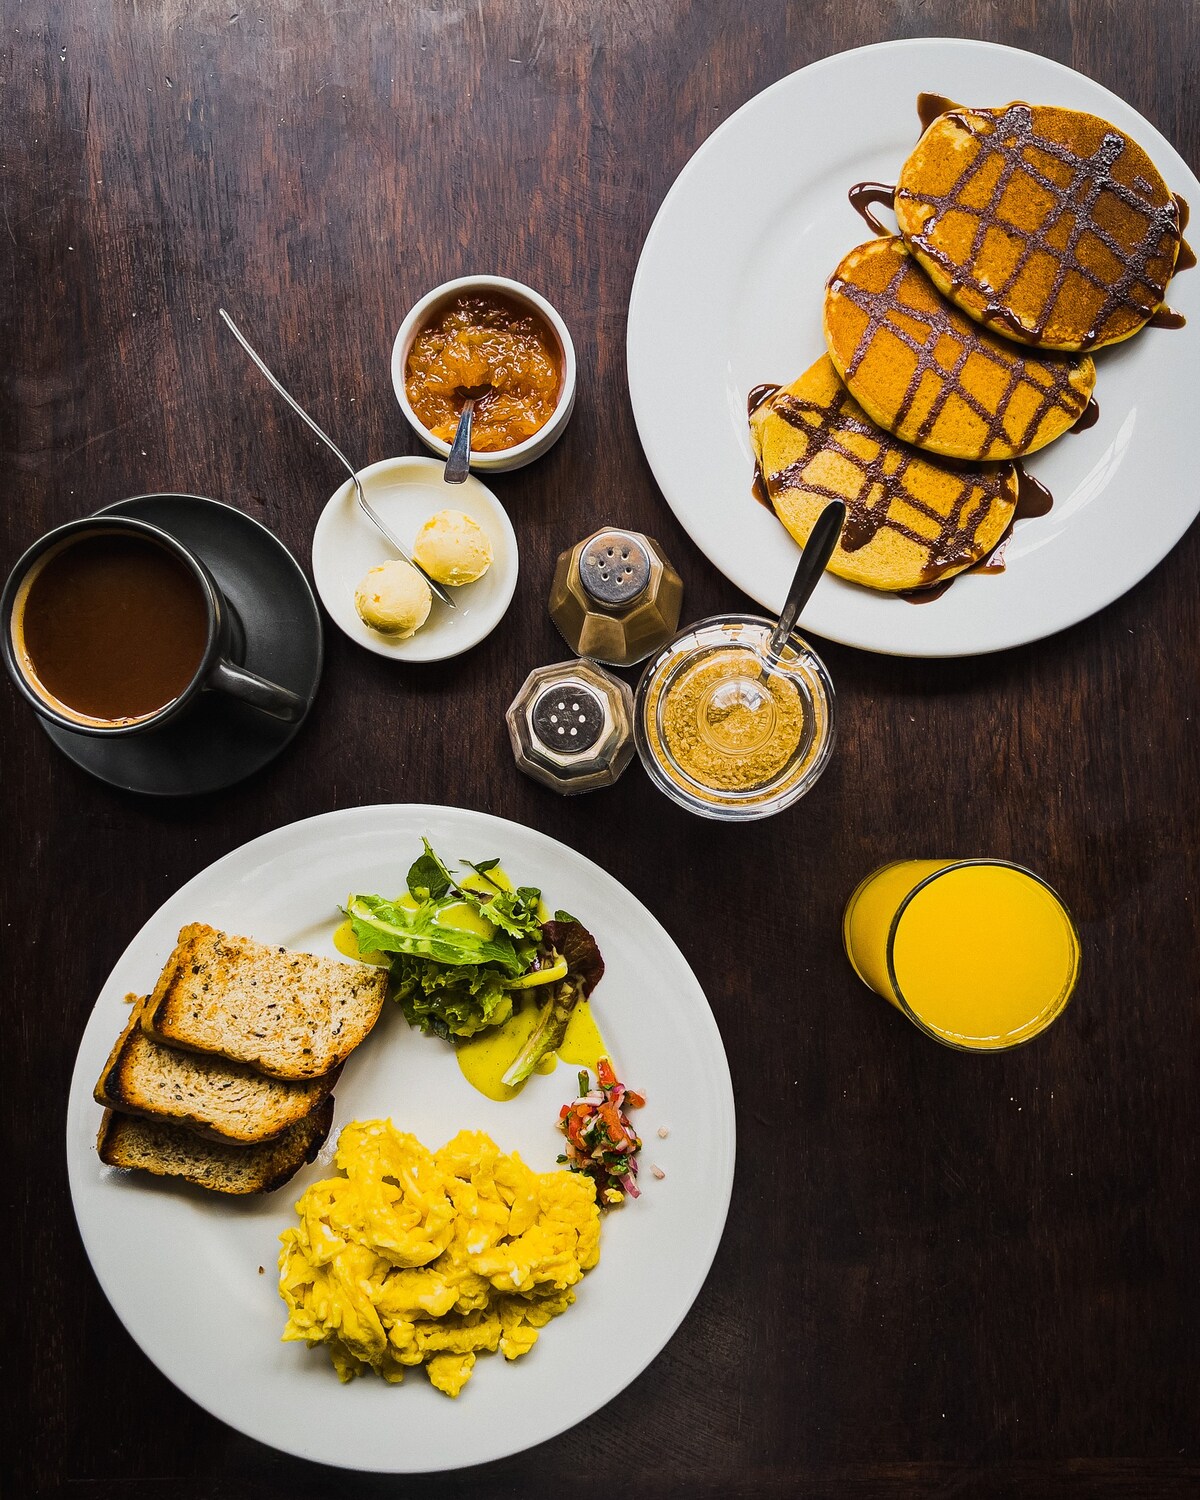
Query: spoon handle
pixel 822 539
pixel 329 443
pixel 291 400
pixel 458 463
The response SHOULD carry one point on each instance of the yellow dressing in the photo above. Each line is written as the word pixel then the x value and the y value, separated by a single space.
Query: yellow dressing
pixel 458 914
pixel 583 1046
pixel 465 918
pixel 484 1058
pixel 345 942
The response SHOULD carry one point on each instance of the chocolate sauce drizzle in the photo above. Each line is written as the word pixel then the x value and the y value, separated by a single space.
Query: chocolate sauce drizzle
pixel 863 195
pixel 888 311
pixel 930 106
pixel 1012 139
pixel 1033 499
pixel 1089 416
pixel 882 484
pixel 1167 317
pixel 931 592
pixel 759 394
pixel 1185 258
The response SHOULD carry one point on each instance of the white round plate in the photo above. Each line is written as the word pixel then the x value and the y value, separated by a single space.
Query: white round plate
pixel 728 294
pixel 193 1276
pixel 406 492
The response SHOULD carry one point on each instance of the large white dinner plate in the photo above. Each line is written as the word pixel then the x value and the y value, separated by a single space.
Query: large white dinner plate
pixel 728 294
pixel 193 1276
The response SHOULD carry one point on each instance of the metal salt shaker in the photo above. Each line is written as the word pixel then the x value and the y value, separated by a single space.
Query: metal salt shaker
pixel 571 726
pixel 615 597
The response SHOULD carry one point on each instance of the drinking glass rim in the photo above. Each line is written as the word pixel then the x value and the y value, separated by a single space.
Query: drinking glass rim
pixel 1051 1012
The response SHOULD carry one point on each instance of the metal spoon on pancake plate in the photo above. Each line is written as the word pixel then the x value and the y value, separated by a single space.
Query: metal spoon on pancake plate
pixel 370 513
pixel 818 549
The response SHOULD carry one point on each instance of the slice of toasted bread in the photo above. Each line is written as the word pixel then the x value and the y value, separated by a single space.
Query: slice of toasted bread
pixel 223 1101
pixel 289 1015
pixel 170 1150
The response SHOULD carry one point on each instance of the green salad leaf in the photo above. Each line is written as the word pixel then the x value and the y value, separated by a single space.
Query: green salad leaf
pixel 450 1002
pixel 428 876
pixel 448 981
pixel 386 927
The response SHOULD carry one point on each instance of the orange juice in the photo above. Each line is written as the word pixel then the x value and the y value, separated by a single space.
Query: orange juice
pixel 981 954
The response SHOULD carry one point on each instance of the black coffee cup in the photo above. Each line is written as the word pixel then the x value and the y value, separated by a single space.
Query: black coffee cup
pixel 204 664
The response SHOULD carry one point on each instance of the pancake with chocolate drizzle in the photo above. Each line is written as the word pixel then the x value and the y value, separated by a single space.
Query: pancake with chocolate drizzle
pixel 930 375
pixel 1048 224
pixel 911 520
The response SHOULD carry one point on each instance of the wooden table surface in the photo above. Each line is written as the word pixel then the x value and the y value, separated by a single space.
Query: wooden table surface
pixel 940 1275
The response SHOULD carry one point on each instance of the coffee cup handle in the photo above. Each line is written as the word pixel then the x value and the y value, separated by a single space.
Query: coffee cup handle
pixel 257 691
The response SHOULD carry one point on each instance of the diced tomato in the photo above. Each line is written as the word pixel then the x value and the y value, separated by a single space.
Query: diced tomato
pixel 601 1142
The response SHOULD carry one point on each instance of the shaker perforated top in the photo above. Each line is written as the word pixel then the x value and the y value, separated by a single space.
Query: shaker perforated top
pixel 614 568
pixel 568 718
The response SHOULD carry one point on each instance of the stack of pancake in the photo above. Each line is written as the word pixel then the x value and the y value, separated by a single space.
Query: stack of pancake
pixel 1028 235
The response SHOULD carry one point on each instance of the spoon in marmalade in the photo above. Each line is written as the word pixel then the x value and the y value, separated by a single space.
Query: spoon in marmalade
pixel 458 463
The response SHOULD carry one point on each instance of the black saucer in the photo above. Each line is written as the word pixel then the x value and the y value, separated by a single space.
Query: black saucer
pixel 220 740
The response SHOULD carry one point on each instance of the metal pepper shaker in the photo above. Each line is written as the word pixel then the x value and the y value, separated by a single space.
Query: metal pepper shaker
pixel 571 726
pixel 615 597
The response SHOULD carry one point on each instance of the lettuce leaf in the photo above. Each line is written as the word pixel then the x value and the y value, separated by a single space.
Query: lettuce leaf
pixel 450 1001
pixel 428 876
pixel 385 927
pixel 455 983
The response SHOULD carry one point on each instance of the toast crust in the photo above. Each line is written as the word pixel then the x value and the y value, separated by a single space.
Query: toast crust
pixel 170 1150
pixel 287 1015
pixel 220 1100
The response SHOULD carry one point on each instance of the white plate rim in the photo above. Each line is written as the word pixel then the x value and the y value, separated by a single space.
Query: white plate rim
pixel 438 639
pixel 927 63
pixel 95 1205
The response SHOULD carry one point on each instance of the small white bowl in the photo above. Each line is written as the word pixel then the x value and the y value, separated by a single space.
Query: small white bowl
pixel 406 492
pixel 547 435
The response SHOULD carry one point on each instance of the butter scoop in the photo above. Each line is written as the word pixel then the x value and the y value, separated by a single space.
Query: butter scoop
pixel 453 548
pixel 394 599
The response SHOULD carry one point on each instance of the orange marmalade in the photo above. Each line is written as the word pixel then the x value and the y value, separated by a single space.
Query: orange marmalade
pixel 491 342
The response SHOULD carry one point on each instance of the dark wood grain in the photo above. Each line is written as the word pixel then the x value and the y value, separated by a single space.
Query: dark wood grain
pixel 941 1276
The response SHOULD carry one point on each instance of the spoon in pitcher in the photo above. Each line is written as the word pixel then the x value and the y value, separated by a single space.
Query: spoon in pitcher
pixel 458 462
pixel 367 509
pixel 818 549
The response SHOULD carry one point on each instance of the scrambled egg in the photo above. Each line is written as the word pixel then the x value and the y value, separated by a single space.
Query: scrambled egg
pixel 428 1258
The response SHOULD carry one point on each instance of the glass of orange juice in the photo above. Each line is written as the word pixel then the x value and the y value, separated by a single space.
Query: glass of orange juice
pixel 980 953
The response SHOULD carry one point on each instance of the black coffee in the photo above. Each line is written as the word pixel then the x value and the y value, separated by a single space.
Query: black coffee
pixel 114 626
